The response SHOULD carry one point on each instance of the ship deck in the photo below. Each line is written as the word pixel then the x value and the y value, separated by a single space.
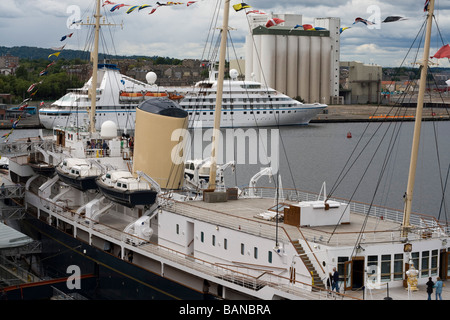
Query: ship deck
pixel 244 214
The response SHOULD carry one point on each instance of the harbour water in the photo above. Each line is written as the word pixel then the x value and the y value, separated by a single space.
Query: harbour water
pixel 371 166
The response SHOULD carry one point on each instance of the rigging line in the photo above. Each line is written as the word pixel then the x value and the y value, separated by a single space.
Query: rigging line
pixel 443 202
pixel 379 180
pixel 270 105
pixel 362 177
pixel 337 183
pixel 439 158
pixel 214 20
pixel 438 30
pixel 235 147
pixel 231 105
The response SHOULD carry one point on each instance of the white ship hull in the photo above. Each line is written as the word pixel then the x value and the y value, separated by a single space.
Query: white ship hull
pixel 245 104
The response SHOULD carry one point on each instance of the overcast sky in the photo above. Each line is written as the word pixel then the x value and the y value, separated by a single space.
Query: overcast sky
pixel 181 32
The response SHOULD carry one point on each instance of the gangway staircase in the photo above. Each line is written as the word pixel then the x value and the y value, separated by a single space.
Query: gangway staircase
pixel 316 280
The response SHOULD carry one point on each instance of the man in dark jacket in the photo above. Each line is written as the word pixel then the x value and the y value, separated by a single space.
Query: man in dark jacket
pixel 335 284
pixel 430 285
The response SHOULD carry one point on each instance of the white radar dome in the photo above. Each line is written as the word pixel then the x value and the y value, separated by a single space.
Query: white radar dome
pixel 151 77
pixel 234 74
pixel 108 130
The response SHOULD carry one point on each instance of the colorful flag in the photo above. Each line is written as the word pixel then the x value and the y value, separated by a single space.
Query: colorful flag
pixel 273 22
pixel 66 36
pixel 132 9
pixel 308 27
pixel 363 21
pixel 255 12
pixel 190 3
pixel 56 54
pixel 240 6
pixel 295 27
pixel 118 6
pixel 107 2
pixel 144 6
pixel 443 52
pixel 425 7
pixel 343 28
pixel 30 88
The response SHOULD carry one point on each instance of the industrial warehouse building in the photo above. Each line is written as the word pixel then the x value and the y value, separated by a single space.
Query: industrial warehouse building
pixel 299 63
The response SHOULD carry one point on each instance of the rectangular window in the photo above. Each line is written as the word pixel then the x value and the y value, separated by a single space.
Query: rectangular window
pixel 372 265
pixel 242 249
pixel 425 263
pixel 178 229
pixel 415 259
pixel 213 240
pixel 398 266
pixel 269 256
pixel 202 236
pixel 341 266
pixel 225 243
pixel 386 267
pixel 255 252
pixel 434 262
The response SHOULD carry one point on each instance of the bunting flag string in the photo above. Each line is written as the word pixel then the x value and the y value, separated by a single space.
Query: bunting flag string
pixel 33 88
pixel 117 6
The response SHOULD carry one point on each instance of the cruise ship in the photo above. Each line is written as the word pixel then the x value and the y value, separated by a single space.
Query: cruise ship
pixel 244 103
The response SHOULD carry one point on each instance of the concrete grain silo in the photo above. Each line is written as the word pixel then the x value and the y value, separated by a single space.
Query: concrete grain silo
pixel 296 62
pixel 303 68
pixel 292 69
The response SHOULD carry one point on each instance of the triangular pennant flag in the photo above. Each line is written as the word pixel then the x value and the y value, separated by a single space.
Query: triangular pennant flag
pixel 56 54
pixel 443 52
pixel 240 6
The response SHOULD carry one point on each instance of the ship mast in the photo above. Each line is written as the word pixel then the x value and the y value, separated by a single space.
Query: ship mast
pixel 94 59
pixel 416 138
pixel 218 109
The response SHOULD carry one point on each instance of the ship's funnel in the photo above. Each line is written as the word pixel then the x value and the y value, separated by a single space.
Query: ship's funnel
pixel 160 141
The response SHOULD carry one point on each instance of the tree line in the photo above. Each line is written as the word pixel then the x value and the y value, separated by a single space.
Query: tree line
pixel 55 82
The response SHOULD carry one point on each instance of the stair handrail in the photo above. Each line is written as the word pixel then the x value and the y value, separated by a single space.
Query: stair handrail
pixel 310 249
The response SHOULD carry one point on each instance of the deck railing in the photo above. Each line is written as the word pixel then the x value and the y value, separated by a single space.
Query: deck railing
pixel 425 226
pixel 240 275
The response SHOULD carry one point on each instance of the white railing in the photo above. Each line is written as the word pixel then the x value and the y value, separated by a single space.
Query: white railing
pixel 424 225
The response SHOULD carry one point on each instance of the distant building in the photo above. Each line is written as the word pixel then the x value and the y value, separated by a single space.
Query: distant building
pixel 8 64
pixel 299 63
pixel 360 83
